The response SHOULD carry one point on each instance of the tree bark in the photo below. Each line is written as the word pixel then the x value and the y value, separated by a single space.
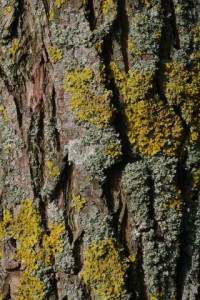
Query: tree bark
pixel 100 151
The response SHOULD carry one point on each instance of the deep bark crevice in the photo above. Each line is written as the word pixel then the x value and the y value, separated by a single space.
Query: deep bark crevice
pixel 122 26
pixel 35 150
pixel 91 14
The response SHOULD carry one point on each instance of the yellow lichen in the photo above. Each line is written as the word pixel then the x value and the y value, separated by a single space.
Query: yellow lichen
pixel 78 202
pixel 4 224
pixel 53 242
pixel 53 171
pixel 14 47
pixel 55 54
pixel 13 50
pixel 4 112
pixel 196 36
pixel 99 46
pixel 158 296
pixel 182 89
pixel 104 269
pixel 33 245
pixel 133 49
pixel 7 10
pixel 148 3
pixel 152 125
pixel 58 3
pixel 88 103
pixel 109 6
pixel 196 179
pixel 113 150
pixel 133 85
pixel 132 258
pixel 31 288
pixel 51 15
pixel 176 202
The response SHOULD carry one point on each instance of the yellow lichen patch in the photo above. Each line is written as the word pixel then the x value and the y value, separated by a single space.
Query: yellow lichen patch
pixel 4 112
pixel 51 15
pixel 99 46
pixel 147 3
pixel 176 202
pixel 14 47
pixel 53 171
pixel 2 297
pixel 26 227
pixel 55 54
pixel 196 179
pixel 78 201
pixel 7 10
pixel 113 150
pixel 13 50
pixel 4 225
pixel 134 85
pixel 33 245
pixel 31 288
pixel 181 86
pixel 152 125
pixel 132 258
pixel 53 242
pixel 58 3
pixel 88 103
pixel 105 268
pixel 133 49
pixel 158 296
pixel 109 6
pixel 196 36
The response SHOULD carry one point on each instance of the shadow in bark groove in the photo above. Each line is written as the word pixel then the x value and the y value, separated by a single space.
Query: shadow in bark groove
pixel 91 14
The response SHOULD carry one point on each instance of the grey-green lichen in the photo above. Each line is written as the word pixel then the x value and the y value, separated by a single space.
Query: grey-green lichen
pixel 167 212
pixel 11 146
pixel 96 226
pixel 106 150
pixel 135 181
pixel 145 31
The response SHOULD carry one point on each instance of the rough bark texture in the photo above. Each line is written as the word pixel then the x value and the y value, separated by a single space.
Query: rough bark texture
pixel 99 149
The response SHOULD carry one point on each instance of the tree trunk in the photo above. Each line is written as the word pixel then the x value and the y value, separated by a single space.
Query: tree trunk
pixel 100 151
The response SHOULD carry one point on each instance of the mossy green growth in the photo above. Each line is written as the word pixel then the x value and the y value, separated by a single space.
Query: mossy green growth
pixel 33 245
pixel 55 54
pixel 152 125
pixel 78 202
pixel 88 103
pixel 105 268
